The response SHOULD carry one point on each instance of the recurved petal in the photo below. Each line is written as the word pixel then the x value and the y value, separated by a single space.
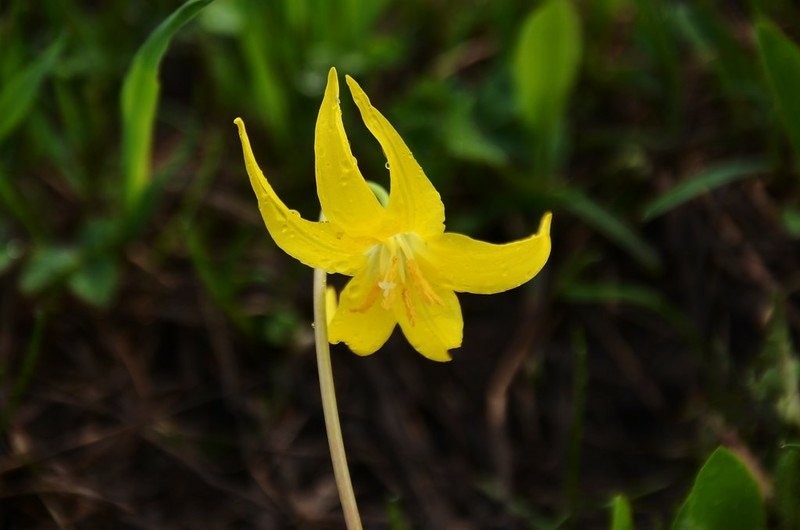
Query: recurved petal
pixel 412 197
pixel 343 193
pixel 468 265
pixel 432 329
pixel 315 244
pixel 364 327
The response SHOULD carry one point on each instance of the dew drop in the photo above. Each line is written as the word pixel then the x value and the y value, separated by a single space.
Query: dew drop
pixel 387 165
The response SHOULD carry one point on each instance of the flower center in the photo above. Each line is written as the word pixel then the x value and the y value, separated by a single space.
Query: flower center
pixel 393 265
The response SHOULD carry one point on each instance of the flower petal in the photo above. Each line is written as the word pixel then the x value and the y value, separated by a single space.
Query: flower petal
pixel 331 303
pixel 343 193
pixel 470 266
pixel 412 197
pixel 314 244
pixel 432 329
pixel 363 330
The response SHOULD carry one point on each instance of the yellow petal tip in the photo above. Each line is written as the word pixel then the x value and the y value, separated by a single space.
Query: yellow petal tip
pixel 356 90
pixel 544 224
pixel 240 125
pixel 333 84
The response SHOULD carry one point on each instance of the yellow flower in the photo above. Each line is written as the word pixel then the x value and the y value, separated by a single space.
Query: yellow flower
pixel 405 267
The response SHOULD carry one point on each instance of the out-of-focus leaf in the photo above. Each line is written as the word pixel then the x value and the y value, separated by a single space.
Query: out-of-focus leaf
pixel 621 518
pixel 630 294
pixel 701 183
pixel 5 260
pixel 27 370
pixel 791 221
pixel 781 60
pixel 281 326
pixel 359 16
pixel 269 96
pixel 546 62
pixel 96 280
pixel 614 292
pixel 397 519
pixel 657 32
pixel 9 253
pixel 776 379
pixel 222 17
pixel 19 93
pixel 47 266
pixel 217 281
pixel 787 489
pixel 713 40
pixel 608 224
pixel 17 206
pixel 465 140
pixel 139 100
pixel 724 497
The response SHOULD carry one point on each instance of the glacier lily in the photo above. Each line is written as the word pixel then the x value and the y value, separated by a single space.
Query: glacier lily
pixel 405 267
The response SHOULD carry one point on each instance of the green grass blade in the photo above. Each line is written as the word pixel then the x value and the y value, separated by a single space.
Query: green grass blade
pixel 607 224
pixel 654 21
pixel 17 206
pixel 631 294
pixel 781 60
pixel 271 101
pixel 19 93
pixel 139 100
pixel 702 182
pixel 621 518
pixel 27 369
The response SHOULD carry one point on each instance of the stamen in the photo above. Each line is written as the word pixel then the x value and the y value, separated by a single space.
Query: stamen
pixel 425 288
pixel 393 267
pixel 412 315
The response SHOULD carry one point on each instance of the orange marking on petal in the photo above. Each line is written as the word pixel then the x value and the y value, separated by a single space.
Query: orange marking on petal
pixel 369 300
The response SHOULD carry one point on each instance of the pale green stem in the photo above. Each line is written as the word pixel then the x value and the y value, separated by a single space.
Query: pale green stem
pixel 329 408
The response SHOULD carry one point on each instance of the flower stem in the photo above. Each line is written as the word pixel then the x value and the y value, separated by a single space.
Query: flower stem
pixel 329 408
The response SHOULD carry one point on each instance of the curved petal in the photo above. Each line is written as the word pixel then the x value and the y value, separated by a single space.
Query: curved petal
pixel 432 329
pixel 412 197
pixel 364 330
pixel 470 266
pixel 315 244
pixel 343 193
